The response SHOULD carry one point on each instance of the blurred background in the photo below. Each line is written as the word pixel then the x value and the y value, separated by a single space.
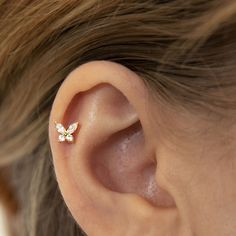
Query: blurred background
pixel 3 231
pixel 9 221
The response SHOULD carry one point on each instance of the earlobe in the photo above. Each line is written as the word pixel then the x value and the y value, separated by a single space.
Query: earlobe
pixel 107 175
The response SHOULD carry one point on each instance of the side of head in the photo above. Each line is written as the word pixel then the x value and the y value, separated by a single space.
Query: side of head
pixel 152 86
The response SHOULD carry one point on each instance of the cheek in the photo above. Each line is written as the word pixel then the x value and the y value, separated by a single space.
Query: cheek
pixel 203 188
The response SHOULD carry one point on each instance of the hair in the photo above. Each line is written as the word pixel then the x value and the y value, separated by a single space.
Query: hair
pixel 183 50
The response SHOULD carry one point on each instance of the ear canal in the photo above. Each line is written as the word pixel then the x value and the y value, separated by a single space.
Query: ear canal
pixel 114 144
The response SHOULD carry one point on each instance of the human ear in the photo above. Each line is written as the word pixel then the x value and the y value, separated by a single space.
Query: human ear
pixel 107 176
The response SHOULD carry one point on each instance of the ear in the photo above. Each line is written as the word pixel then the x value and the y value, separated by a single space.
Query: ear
pixel 107 176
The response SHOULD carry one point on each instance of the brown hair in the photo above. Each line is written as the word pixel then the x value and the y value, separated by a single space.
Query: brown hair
pixel 183 50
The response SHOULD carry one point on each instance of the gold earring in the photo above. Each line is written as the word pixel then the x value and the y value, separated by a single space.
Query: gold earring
pixel 66 134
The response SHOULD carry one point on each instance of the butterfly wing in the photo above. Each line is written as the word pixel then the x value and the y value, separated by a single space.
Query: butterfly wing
pixel 69 138
pixel 60 128
pixel 72 128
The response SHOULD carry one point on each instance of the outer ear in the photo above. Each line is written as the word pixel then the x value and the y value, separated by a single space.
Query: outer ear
pixel 108 175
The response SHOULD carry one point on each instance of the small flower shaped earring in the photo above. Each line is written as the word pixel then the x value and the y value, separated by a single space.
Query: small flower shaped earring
pixel 66 134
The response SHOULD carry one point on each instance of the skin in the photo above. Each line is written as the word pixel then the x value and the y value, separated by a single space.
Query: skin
pixel 139 166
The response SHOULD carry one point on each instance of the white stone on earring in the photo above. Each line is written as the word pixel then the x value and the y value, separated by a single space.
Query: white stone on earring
pixel 66 134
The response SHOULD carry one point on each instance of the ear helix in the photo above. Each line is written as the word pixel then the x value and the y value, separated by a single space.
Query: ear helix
pixel 66 135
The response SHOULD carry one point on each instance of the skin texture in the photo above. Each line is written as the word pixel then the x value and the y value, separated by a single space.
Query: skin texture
pixel 139 166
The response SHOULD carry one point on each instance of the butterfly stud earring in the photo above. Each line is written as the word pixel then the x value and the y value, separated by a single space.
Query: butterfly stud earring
pixel 66 134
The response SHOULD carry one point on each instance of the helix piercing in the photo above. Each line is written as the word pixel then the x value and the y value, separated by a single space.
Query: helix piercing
pixel 66 134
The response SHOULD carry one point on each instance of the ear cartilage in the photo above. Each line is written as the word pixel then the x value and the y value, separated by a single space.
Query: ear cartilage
pixel 66 134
